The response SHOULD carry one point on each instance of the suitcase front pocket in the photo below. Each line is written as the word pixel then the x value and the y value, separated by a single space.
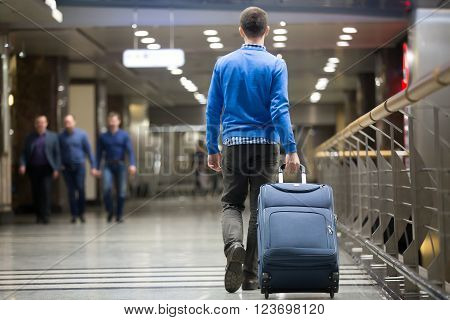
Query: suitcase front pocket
pixel 298 229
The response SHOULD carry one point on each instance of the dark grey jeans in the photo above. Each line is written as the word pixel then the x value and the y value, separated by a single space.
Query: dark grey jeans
pixel 245 167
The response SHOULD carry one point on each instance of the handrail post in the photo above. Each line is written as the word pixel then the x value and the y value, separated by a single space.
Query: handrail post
pixel 442 256
pixel 395 188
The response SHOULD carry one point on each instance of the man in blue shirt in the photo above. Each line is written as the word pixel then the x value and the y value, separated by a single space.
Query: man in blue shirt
pixel 248 97
pixel 75 147
pixel 113 145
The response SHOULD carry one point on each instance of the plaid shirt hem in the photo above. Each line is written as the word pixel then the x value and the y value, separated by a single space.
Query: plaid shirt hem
pixel 232 141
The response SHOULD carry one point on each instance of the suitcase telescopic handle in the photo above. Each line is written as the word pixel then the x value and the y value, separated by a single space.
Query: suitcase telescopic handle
pixel 283 166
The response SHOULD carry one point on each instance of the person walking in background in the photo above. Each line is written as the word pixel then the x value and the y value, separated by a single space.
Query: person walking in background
pixel 248 95
pixel 41 160
pixel 201 178
pixel 75 148
pixel 113 146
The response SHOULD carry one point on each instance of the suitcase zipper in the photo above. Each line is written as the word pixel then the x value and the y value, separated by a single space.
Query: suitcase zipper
pixel 328 228
pixel 276 266
pixel 314 260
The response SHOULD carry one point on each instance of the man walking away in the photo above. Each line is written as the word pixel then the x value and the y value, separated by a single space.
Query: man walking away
pixel 41 160
pixel 75 148
pixel 113 145
pixel 248 96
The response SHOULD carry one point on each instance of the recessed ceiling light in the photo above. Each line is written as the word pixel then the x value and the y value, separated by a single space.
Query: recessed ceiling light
pixel 377 81
pixel 200 98
pixel 216 45
pixel 213 39
pixel 199 95
pixel 279 38
pixel 141 33
pixel 134 25
pixel 154 46
pixel 283 23
pixel 210 32
pixel 331 65
pixel 315 97
pixel 279 45
pixel 342 44
pixel 280 31
pixel 321 84
pixel 349 30
pixel 345 37
pixel 176 71
pixel 333 60
pixel 329 69
pixel 279 56
pixel 192 88
pixel 186 83
pixel 148 40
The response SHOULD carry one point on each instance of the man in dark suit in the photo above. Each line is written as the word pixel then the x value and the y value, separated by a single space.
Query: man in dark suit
pixel 41 160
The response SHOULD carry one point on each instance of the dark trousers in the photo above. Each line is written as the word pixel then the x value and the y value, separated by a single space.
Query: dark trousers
pixel 75 175
pixel 41 188
pixel 245 167
pixel 114 173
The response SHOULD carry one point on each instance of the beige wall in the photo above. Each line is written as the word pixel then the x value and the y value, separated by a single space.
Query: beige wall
pixel 82 106
pixel 5 183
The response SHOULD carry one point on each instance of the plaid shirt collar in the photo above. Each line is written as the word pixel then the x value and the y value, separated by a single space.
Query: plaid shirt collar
pixel 253 46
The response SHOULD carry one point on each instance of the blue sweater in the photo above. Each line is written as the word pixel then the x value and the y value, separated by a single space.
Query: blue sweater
pixel 75 147
pixel 114 147
pixel 248 95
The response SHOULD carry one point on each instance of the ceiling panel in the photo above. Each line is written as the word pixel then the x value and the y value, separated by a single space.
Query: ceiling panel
pixel 373 7
pixel 309 45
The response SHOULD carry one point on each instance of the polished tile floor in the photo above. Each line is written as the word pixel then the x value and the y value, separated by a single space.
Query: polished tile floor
pixel 165 249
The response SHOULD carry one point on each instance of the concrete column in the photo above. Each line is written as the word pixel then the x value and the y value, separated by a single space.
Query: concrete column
pixel 102 110
pixel 365 93
pixel 340 118
pixel 35 81
pixel 388 81
pixel 350 106
pixel 5 152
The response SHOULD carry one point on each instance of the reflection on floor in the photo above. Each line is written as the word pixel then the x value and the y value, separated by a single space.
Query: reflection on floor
pixel 165 249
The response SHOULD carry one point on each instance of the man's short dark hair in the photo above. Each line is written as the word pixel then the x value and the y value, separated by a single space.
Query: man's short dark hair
pixel 70 115
pixel 113 114
pixel 254 22
pixel 41 116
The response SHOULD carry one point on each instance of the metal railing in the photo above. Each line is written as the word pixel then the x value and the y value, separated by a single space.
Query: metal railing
pixel 391 198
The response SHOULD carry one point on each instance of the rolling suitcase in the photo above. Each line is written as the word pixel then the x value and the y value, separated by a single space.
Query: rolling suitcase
pixel 297 242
